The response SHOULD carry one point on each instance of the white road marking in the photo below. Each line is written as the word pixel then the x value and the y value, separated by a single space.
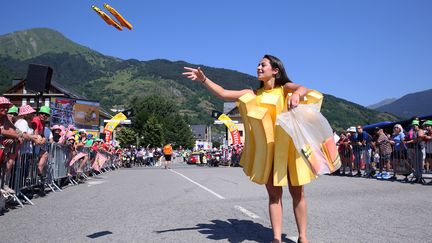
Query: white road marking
pixel 196 183
pixel 247 212
pixel 92 183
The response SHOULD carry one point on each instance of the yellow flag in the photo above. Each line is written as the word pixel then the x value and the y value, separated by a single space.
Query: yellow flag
pixel 110 126
pixel 231 127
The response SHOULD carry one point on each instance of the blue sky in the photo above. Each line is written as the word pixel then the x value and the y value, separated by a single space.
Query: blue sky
pixel 362 51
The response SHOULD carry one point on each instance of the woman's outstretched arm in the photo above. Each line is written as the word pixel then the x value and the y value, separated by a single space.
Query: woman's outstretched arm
pixel 224 94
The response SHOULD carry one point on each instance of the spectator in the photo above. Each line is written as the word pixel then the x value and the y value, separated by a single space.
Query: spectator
pixel 8 134
pixel 399 148
pixel 82 153
pixel 38 124
pixel 11 151
pixel 427 125
pixel 72 152
pixel 12 114
pixel 361 144
pixel 25 115
pixel 150 154
pixel 415 144
pixel 345 153
pixel 57 133
pixel 384 150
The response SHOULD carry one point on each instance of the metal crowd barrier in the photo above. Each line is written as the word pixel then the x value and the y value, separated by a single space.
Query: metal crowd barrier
pixel 416 156
pixel 24 176
pixel 408 161
pixel 362 158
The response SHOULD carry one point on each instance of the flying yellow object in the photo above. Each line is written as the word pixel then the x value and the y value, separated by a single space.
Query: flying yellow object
pixel 107 18
pixel 118 16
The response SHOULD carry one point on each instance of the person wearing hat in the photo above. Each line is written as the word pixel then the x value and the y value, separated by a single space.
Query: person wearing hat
pixel 82 154
pixel 57 134
pixel 6 128
pixel 13 149
pixel 38 124
pixel 427 125
pixel 25 115
pixel 12 114
pixel 8 139
pixel 415 145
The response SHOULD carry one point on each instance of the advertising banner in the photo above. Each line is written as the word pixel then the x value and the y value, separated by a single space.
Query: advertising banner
pixel 62 111
pixel 231 127
pixel 86 114
pixel 110 126
pixel 80 113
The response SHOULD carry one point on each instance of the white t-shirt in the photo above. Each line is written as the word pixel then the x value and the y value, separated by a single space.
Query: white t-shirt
pixel 23 126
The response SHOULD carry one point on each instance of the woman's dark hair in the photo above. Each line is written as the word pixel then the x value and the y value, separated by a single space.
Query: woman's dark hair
pixel 281 77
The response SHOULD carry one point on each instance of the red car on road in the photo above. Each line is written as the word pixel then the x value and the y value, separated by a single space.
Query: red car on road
pixel 194 158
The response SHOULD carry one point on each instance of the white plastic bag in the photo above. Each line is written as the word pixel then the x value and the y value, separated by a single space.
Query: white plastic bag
pixel 312 136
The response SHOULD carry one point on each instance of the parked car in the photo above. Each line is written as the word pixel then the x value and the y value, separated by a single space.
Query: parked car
pixel 194 158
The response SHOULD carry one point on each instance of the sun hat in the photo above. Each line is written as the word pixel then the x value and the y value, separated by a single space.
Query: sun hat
pixel 427 123
pixel 25 110
pixel 5 101
pixel 71 127
pixel 415 122
pixel 351 129
pixel 13 110
pixel 71 138
pixel 56 127
pixel 45 109
pixel 82 131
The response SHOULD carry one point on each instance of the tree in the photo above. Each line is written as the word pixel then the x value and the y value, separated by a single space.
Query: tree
pixel 156 105
pixel 126 136
pixel 177 131
pixel 216 144
pixel 153 133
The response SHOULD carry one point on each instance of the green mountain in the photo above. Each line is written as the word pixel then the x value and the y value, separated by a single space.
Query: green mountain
pixel 114 81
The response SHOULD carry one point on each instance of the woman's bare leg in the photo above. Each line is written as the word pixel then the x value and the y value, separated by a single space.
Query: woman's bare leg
pixel 300 211
pixel 275 209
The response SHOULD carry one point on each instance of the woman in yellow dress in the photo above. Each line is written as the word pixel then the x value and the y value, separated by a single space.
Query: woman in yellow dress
pixel 271 73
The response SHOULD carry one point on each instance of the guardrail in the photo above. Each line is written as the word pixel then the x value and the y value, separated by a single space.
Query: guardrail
pixel 63 165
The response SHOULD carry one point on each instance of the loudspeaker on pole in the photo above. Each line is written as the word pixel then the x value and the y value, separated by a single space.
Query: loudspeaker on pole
pixel 38 78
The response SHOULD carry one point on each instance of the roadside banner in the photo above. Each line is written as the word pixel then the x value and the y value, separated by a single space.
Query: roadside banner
pixel 231 127
pixel 110 126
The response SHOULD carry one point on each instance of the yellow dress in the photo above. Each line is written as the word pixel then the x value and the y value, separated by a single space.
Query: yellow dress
pixel 267 146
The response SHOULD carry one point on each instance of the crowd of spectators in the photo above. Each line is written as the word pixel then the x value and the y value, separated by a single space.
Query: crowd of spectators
pixel 25 133
pixel 384 155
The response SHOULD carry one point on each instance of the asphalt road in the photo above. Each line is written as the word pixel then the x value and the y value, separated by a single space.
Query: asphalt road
pixel 202 204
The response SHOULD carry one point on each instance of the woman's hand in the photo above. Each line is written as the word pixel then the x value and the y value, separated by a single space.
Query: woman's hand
pixel 293 100
pixel 195 74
